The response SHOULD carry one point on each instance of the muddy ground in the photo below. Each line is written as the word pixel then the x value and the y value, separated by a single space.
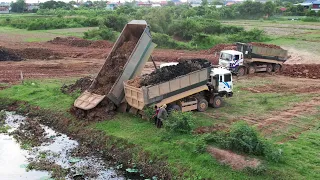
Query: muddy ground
pixel 64 58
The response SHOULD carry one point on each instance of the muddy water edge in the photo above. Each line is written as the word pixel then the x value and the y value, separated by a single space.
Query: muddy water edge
pixel 127 159
pixel 32 150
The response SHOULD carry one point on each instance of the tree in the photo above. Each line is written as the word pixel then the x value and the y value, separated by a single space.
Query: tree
pixel 19 6
pixel 204 2
pixel 269 8
pixel 170 3
pixel 54 5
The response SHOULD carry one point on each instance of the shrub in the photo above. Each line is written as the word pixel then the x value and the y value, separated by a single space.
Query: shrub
pixel 165 41
pixel 116 22
pixel 179 122
pixel 245 139
pixel 185 29
pixel 204 41
pixel 254 35
pixel 101 33
pixel 311 19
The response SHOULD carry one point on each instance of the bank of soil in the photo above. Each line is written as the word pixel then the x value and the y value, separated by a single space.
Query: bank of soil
pixel 79 42
pixel 116 151
pixel 235 161
pixel 7 54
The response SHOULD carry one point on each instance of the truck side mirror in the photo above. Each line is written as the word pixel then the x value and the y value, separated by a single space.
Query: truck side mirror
pixel 246 52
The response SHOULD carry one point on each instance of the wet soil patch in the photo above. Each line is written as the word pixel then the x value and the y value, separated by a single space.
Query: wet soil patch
pixel 170 72
pixel 30 133
pixel 80 85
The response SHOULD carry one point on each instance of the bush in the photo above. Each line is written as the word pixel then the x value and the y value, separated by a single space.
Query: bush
pixel 254 35
pixel 116 22
pixel 185 29
pixel 165 41
pixel 245 139
pixel 204 41
pixel 179 122
pixel 101 33
pixel 311 19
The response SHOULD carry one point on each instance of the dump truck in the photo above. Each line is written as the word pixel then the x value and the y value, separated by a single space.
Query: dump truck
pixel 251 58
pixel 193 91
pixel 136 29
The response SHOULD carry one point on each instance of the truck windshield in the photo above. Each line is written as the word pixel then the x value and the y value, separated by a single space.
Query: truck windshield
pixel 225 56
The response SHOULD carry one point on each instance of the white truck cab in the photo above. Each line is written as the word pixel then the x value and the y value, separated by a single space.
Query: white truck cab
pixel 221 79
pixel 231 59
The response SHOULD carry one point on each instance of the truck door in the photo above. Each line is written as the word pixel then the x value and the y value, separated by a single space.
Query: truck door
pixel 223 84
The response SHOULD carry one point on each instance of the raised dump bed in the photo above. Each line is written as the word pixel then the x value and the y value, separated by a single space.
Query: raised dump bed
pixel 167 92
pixel 136 31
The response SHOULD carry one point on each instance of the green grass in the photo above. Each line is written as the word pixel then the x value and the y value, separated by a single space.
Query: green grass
pixel 301 154
pixel 45 94
pixel 42 35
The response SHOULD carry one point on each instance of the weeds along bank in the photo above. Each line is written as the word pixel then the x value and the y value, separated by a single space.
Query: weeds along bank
pixel 168 153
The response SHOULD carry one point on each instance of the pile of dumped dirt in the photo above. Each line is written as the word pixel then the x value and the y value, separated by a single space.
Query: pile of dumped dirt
pixel 103 83
pixel 112 69
pixel 9 55
pixel 265 45
pixel 170 72
pixel 302 70
pixel 78 42
pixel 39 53
pixel 81 85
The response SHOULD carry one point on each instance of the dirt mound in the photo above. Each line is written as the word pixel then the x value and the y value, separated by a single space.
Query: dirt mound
pixel 170 72
pixel 81 85
pixel 236 161
pixel 109 73
pixel 265 45
pixel 78 42
pixel 101 44
pixel 39 53
pixel 302 70
pixel 9 55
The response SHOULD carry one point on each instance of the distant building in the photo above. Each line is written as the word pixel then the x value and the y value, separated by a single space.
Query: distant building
pixel 4 8
pixel 144 4
pixel 112 5
pixel 32 6
pixel 315 6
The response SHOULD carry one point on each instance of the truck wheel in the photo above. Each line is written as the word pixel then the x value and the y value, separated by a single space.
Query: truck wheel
pixel 269 68
pixel 216 102
pixel 174 108
pixel 202 105
pixel 251 70
pixel 241 71
pixel 276 68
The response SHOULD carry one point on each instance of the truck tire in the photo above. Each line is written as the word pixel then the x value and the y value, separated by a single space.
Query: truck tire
pixel 174 107
pixel 202 105
pixel 276 68
pixel 216 102
pixel 269 68
pixel 241 71
pixel 251 70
